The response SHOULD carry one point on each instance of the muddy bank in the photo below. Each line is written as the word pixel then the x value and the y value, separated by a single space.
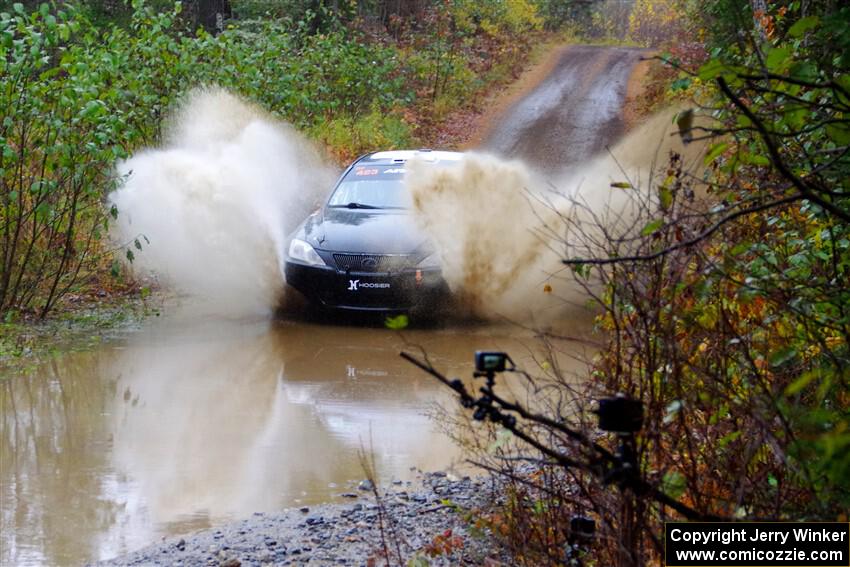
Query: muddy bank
pixel 406 521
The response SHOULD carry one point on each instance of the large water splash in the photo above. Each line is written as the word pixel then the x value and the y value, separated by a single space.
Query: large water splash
pixel 501 231
pixel 212 207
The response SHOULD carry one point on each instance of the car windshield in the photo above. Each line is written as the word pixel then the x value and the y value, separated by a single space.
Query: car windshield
pixel 372 187
pixel 371 194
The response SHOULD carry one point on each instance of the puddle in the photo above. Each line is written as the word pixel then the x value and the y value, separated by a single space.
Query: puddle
pixel 188 424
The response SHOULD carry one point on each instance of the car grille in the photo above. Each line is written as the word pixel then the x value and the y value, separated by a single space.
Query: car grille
pixel 371 262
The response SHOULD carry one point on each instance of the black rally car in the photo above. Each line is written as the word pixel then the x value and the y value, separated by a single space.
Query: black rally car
pixel 362 250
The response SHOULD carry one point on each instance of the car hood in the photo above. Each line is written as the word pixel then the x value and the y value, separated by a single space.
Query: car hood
pixel 380 231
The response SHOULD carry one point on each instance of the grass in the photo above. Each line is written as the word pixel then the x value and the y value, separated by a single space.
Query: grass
pixel 80 325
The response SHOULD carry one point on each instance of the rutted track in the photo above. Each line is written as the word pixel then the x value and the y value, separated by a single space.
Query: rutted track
pixel 573 114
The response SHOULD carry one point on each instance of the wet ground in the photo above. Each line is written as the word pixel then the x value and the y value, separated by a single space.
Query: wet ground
pixel 192 421
pixel 573 114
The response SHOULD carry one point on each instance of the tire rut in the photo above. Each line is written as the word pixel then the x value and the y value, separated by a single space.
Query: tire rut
pixel 573 114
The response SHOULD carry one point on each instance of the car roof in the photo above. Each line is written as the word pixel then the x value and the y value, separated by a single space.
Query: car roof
pixel 401 156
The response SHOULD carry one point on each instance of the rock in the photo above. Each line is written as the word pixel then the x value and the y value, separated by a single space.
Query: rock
pixel 328 534
pixel 366 485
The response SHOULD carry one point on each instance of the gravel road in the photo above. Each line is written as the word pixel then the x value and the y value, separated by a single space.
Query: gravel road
pixel 572 114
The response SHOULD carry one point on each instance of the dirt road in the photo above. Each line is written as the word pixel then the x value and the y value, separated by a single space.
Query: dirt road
pixel 572 114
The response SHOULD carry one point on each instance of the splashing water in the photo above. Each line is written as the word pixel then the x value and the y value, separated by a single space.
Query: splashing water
pixel 500 230
pixel 479 216
pixel 212 207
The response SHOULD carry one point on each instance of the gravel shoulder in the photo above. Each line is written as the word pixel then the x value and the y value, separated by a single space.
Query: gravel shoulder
pixel 407 520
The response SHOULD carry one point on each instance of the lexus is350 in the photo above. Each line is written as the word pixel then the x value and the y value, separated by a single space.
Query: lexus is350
pixel 362 250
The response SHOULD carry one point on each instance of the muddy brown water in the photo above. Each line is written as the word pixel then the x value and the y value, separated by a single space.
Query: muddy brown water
pixel 188 424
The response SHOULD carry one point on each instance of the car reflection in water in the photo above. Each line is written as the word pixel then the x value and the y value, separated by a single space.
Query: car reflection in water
pixel 222 427
pixel 186 425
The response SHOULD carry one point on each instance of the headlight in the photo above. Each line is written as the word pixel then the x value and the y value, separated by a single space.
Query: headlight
pixel 303 252
pixel 430 261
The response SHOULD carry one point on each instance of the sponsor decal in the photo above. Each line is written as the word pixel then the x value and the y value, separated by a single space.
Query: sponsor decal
pixel 353 372
pixel 365 171
pixel 355 285
pixel 394 170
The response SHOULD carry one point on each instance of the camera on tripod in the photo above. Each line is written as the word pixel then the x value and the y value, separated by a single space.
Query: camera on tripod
pixel 489 362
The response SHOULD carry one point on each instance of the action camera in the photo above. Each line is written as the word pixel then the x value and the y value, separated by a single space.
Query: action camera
pixel 486 361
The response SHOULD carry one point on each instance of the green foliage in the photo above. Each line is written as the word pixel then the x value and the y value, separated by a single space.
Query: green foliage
pixel 350 136
pixel 497 17
pixel 293 10
pixel 744 337
pixel 557 14
pixel 397 323
pixel 58 140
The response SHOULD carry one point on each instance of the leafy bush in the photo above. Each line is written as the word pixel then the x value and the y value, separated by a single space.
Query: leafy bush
pixel 59 138
pixel 350 137
pixel 725 311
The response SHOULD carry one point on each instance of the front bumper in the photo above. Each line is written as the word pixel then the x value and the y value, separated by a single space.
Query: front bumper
pixel 404 290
